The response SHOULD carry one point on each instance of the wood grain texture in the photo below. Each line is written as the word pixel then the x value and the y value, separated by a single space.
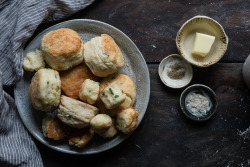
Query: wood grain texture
pixel 153 24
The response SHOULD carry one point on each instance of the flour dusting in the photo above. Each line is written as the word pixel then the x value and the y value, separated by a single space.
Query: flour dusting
pixel 245 134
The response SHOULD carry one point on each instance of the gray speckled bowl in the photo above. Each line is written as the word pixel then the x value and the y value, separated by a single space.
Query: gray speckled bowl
pixel 246 72
pixel 135 67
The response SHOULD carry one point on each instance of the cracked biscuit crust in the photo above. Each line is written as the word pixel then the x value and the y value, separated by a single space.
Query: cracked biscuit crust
pixel 62 48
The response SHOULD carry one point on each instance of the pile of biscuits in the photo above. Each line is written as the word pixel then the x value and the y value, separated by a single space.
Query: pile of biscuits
pixel 78 86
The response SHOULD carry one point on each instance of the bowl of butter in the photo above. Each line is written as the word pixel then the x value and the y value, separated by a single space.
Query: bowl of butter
pixel 202 41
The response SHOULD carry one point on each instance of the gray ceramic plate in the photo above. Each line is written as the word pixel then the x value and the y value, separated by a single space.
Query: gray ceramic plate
pixel 135 67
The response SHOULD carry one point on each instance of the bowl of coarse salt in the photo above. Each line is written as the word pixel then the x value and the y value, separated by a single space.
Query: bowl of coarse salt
pixel 198 102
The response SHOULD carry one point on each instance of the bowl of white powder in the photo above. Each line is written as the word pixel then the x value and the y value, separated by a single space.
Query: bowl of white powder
pixel 198 102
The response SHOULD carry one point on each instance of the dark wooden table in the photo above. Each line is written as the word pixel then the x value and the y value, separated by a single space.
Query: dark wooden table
pixel 166 137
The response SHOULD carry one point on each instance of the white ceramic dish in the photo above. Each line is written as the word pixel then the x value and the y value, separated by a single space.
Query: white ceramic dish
pixel 206 25
pixel 175 83
pixel 136 69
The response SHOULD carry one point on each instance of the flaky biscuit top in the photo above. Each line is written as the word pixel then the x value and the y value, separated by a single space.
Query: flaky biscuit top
pixel 62 42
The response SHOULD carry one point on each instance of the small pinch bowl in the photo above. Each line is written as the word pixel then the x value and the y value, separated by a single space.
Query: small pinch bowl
pixel 206 25
pixel 172 83
pixel 246 72
pixel 199 88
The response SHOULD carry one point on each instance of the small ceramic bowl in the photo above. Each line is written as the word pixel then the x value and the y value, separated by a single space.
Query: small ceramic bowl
pixel 175 83
pixel 202 90
pixel 246 72
pixel 206 25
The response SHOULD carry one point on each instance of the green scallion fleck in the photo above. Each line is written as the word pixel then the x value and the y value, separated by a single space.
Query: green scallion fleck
pixel 116 96
pixel 47 82
pixel 53 107
pixel 111 91
pixel 57 88
pixel 106 54
pixel 90 90
pixel 138 146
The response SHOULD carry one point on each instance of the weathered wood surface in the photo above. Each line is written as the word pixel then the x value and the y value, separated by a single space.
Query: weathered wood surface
pixel 153 24
pixel 165 136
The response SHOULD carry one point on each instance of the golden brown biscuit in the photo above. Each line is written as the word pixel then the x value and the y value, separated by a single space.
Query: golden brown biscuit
pixel 80 137
pixel 72 79
pixel 62 48
pixel 45 90
pixel 54 129
pixel 126 84
pixel 128 87
pixel 115 111
pixel 103 56
pixel 112 96
pixel 126 120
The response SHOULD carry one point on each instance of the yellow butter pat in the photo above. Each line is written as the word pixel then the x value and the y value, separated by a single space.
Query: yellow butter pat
pixel 202 44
